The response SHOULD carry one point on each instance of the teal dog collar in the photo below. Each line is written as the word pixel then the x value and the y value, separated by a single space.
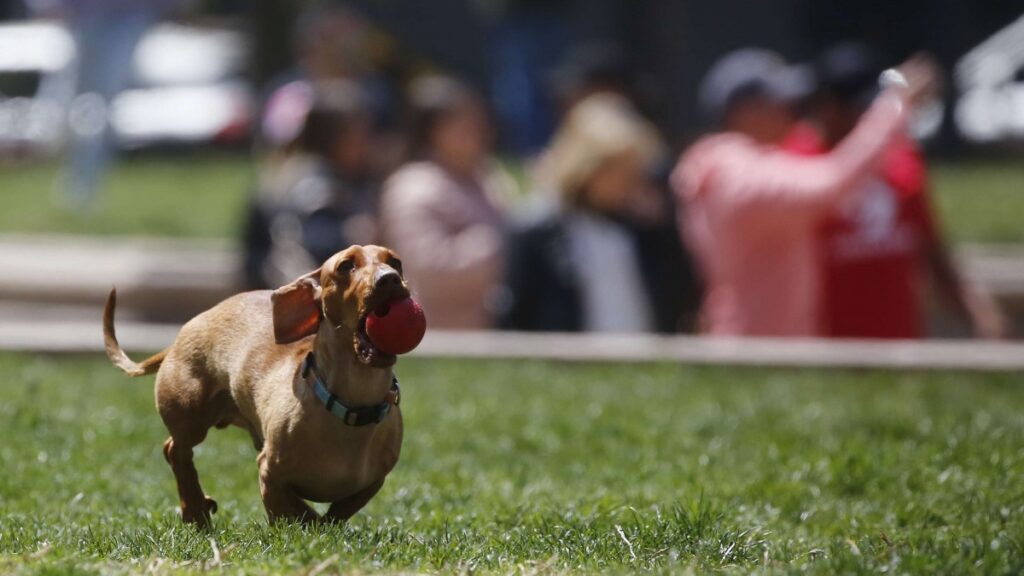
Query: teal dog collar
pixel 351 416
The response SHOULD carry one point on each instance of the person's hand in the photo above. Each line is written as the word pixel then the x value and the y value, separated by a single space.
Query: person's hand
pixel 920 80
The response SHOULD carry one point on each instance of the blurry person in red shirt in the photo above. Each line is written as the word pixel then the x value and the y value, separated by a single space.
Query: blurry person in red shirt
pixel 881 244
pixel 750 210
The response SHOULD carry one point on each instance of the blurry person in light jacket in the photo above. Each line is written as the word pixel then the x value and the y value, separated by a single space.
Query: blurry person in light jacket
pixel 443 210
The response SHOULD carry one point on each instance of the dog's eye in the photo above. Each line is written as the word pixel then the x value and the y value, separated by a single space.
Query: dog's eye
pixel 346 266
pixel 396 264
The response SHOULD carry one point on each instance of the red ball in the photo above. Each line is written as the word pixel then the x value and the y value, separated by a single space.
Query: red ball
pixel 396 327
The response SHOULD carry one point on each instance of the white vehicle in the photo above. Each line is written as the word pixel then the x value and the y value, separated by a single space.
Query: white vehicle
pixel 187 88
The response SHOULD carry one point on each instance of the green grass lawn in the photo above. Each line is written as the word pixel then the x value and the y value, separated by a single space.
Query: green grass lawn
pixel 543 467
pixel 981 202
pixel 202 196
pixel 198 195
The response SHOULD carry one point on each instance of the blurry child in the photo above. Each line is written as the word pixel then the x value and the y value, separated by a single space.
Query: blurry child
pixel 317 195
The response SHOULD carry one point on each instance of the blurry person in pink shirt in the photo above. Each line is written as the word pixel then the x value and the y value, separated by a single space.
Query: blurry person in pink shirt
pixel 750 211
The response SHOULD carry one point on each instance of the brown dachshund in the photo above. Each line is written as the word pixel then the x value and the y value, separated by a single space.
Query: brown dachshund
pixel 296 369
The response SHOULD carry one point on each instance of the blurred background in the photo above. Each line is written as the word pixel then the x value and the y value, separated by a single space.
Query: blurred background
pixel 185 150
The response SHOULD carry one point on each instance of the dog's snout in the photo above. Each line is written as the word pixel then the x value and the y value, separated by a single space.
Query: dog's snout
pixel 387 277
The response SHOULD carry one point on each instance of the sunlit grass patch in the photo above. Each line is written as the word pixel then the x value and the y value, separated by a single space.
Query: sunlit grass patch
pixel 546 467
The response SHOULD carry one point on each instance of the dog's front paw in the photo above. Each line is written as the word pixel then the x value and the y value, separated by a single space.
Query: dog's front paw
pixel 199 515
pixel 198 518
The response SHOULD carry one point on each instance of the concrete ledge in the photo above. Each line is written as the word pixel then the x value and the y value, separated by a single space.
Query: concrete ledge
pixel 171 280
pixel 163 279
pixel 918 355
pixel 86 337
pixel 999 268
pixel 52 288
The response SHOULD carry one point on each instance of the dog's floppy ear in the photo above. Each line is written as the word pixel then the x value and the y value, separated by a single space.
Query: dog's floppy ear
pixel 297 309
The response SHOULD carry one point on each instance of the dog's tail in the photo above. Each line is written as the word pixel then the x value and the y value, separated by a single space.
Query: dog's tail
pixel 114 351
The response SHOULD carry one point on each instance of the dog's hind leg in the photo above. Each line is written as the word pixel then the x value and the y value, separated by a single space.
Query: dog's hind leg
pixel 196 507
pixel 188 415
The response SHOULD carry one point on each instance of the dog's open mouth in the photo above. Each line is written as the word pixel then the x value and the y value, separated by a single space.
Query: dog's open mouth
pixel 366 351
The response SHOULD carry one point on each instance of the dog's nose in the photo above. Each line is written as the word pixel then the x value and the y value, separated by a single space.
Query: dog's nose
pixel 387 277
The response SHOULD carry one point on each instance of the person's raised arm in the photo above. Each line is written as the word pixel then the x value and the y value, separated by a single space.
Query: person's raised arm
pixel 778 181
